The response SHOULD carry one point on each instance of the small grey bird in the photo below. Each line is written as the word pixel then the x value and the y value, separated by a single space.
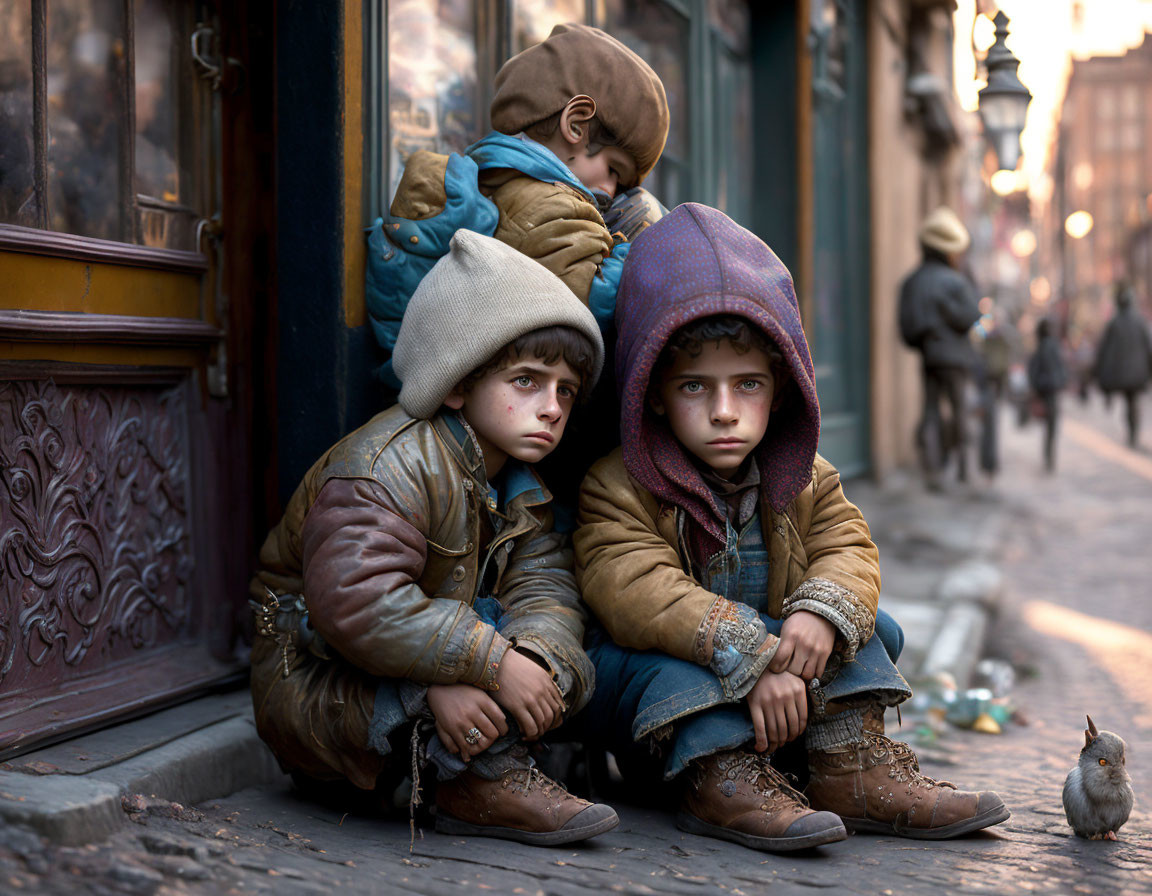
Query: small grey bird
pixel 1098 792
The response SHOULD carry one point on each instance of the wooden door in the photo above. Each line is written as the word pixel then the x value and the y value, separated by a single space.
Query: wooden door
pixel 124 515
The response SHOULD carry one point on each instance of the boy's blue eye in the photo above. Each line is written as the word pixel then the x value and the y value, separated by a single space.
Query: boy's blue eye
pixel 692 387
pixel 523 380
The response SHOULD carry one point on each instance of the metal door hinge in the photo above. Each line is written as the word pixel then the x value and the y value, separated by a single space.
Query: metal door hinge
pixel 226 73
pixel 211 230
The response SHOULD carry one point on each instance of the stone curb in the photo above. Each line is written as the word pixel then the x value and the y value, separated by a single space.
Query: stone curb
pixel 210 763
pixel 971 593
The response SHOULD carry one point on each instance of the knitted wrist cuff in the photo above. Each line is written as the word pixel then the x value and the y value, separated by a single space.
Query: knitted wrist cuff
pixel 840 730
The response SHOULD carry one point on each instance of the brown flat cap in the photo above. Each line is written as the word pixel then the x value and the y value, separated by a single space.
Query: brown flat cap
pixel 579 59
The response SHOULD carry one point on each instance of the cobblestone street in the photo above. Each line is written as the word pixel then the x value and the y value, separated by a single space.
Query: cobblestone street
pixel 1076 621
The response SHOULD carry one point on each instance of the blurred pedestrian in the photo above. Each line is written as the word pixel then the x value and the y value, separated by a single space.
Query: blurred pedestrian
pixel 1047 375
pixel 1082 358
pixel 1124 358
pixel 937 308
pixel 991 375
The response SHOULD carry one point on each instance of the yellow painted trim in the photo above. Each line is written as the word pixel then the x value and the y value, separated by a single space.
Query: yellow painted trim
pixel 128 356
pixel 43 283
pixel 354 137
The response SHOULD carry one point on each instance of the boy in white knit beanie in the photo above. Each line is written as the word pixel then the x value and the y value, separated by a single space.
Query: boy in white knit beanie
pixel 414 596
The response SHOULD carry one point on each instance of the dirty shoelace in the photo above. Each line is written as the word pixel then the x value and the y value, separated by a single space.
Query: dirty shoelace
pixel 760 773
pixel 903 757
pixel 533 777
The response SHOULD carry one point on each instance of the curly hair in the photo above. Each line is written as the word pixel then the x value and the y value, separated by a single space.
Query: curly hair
pixel 738 331
pixel 549 344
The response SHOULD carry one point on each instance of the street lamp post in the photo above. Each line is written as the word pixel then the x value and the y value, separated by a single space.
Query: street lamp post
pixel 1004 101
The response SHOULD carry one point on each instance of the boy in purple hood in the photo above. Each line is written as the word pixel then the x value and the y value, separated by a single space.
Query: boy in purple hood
pixel 736 586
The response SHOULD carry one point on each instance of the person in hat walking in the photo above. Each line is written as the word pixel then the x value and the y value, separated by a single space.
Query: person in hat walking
pixel 938 306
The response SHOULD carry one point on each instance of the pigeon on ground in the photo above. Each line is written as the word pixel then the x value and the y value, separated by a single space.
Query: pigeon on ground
pixel 1098 792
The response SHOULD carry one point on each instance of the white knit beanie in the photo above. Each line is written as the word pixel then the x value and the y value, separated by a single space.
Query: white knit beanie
pixel 477 299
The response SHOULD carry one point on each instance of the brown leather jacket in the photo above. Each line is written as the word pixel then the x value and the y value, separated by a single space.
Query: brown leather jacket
pixel 383 539
pixel 633 566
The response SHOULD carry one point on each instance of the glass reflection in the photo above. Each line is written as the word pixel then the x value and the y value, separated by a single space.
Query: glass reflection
pixel 533 20
pixel 659 35
pixel 734 136
pixel 432 82
pixel 86 64
pixel 17 200
pixel 161 183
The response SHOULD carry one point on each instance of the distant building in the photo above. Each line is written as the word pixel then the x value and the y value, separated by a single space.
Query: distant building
pixel 1102 165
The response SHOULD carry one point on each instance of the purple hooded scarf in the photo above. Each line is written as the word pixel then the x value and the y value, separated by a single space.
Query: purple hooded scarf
pixel 693 263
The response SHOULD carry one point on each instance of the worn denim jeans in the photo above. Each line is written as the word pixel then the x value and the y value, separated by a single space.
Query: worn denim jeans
pixel 644 694
pixel 639 692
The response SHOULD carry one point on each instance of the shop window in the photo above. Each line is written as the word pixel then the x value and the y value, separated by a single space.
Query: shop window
pixel 430 86
pixel 96 120
pixel 660 34
pixel 17 204
pixel 533 20
pixel 728 20
pixel 433 83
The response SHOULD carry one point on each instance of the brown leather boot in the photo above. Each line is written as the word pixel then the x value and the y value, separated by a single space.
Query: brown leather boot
pixel 524 805
pixel 738 796
pixel 876 786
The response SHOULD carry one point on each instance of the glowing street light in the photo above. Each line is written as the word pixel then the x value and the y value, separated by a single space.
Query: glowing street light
pixel 1004 101
pixel 1078 224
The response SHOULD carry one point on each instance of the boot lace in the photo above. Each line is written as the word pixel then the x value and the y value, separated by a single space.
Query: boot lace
pixel 532 777
pixel 903 762
pixel 769 782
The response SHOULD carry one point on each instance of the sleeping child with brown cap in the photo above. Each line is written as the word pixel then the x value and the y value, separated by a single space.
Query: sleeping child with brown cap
pixel 578 121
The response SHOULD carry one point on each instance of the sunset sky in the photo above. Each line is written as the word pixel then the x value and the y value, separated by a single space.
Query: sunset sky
pixel 1046 35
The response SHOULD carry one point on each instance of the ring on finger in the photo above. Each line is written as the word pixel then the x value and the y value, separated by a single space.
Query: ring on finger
pixel 473 735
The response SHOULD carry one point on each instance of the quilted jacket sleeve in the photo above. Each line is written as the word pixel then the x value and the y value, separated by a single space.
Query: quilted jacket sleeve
pixel 842 579
pixel 632 578
pixel 362 561
pixel 556 226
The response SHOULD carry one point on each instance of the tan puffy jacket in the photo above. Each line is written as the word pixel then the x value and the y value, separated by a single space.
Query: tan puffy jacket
pixel 633 566
pixel 553 223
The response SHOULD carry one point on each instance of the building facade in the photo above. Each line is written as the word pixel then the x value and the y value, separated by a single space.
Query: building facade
pixel 184 191
pixel 1101 165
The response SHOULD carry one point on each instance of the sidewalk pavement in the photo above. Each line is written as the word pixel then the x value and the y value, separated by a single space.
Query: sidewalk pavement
pixel 941 581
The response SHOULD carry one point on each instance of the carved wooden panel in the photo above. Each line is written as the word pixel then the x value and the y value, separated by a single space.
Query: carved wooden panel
pixel 95 530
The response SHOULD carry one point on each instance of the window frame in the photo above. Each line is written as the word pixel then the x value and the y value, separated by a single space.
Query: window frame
pixel 126 250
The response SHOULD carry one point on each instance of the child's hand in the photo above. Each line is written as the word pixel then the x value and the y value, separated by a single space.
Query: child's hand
pixel 529 694
pixel 778 704
pixel 461 707
pixel 806 642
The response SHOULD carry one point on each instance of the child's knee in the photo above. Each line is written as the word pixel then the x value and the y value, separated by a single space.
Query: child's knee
pixel 890 633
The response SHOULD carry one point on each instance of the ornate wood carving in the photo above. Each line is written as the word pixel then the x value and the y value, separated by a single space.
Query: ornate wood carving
pixel 95 531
